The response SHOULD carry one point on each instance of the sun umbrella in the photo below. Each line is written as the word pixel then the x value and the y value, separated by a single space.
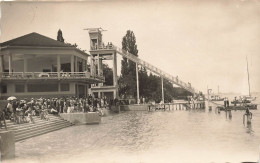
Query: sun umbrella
pixel 11 98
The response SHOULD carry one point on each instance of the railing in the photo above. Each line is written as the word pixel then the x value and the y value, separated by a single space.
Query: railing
pixel 156 70
pixel 179 105
pixel 101 47
pixel 48 75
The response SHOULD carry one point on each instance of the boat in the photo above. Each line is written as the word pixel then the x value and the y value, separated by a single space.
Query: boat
pixel 245 101
pixel 216 98
pixel 245 98
pixel 238 107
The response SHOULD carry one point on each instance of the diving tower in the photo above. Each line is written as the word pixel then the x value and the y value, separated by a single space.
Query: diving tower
pixel 100 52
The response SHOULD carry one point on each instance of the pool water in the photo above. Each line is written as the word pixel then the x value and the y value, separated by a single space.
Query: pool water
pixel 157 136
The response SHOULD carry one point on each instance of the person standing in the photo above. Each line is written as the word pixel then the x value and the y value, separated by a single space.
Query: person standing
pixel 225 102
pixel 61 105
pixel 84 103
pixel 95 104
pixel 14 106
pixel 67 105
pixel 9 110
pixel 102 102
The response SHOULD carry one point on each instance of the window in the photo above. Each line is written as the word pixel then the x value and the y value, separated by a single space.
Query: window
pixel 65 67
pixel 64 87
pixel 94 42
pixel 80 64
pixel 46 70
pixel 19 88
pixel 4 89
pixel 42 87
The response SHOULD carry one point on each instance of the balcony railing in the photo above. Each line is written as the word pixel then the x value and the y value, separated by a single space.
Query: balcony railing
pixel 103 47
pixel 49 75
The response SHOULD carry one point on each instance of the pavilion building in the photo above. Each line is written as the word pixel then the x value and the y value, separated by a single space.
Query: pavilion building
pixel 34 65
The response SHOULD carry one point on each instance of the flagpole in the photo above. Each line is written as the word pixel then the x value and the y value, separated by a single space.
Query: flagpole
pixel 248 76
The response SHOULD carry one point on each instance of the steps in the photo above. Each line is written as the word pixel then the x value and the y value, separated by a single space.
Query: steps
pixel 28 130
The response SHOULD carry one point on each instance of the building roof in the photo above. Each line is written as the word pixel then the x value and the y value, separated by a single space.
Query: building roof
pixel 36 40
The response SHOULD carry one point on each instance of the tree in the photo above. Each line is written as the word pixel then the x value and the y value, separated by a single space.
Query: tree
pixel 59 36
pixel 143 83
pixel 127 80
pixel 108 74
pixel 149 85
pixel 129 45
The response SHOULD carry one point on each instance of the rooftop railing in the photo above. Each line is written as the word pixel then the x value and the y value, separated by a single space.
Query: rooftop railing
pixel 49 75
pixel 103 47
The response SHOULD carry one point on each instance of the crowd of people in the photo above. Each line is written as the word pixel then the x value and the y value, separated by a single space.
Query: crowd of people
pixel 22 111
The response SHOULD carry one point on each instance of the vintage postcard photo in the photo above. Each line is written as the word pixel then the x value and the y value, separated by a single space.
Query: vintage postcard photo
pixel 117 81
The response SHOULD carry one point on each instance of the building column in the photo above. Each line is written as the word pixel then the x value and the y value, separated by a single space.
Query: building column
pixel 86 65
pixel 98 63
pixel 91 66
pixel 25 87
pixel 115 94
pixel 83 65
pixel 10 63
pixel 77 90
pixel 115 69
pixel 137 83
pixel 85 92
pixel 72 63
pixel 25 64
pixel 101 67
pixel 115 82
pixel 162 91
pixel 101 70
pixel 76 64
pixel 58 65
pixel 95 66
pixel 1 63
pixel 59 87
pixel 1 70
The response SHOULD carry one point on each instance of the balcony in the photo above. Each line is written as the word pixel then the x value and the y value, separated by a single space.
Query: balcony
pixel 49 75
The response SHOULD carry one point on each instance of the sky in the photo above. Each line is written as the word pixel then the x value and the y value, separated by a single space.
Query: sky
pixel 202 42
